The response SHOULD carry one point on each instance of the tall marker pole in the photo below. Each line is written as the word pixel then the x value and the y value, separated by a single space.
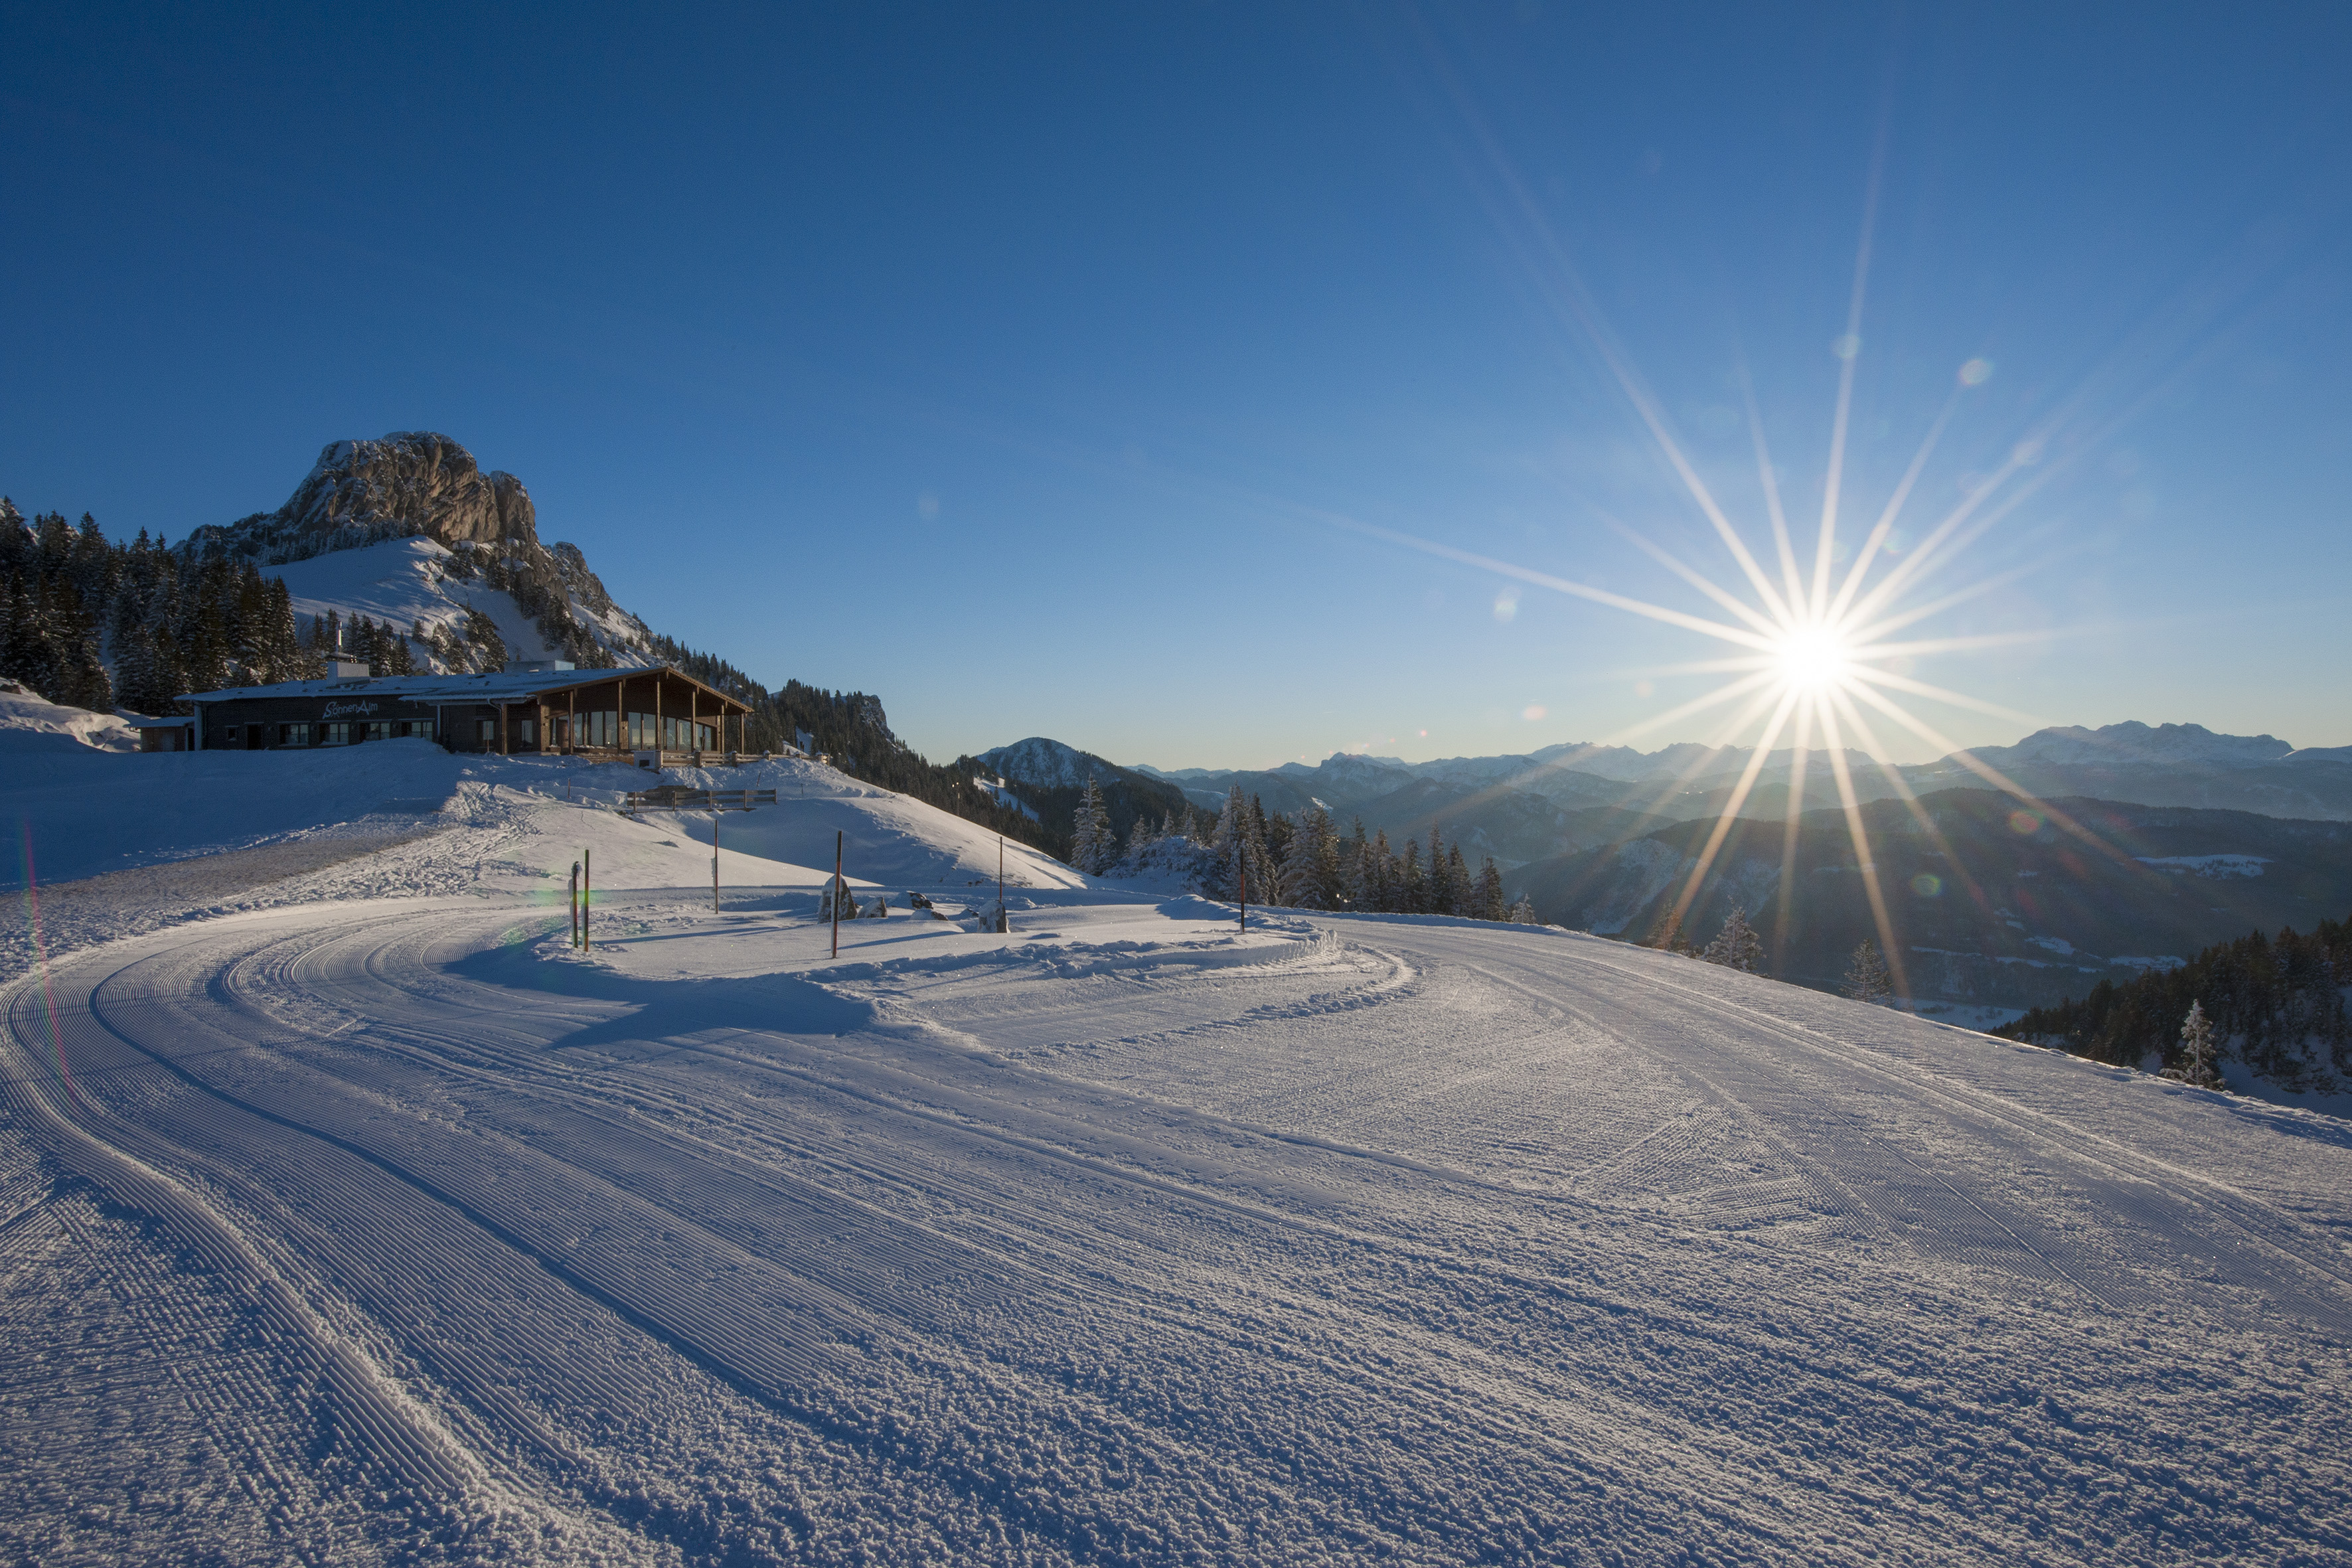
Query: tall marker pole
pixel 575 903
pixel 714 862
pixel 1002 923
pixel 587 878
pixel 836 892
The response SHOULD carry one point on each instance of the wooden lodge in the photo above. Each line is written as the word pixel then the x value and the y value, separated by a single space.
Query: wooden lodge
pixel 526 708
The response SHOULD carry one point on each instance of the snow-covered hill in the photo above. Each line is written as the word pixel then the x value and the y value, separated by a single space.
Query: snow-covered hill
pixel 397 1229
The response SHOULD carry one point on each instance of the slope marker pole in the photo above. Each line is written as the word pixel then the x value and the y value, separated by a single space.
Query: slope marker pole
pixel 587 876
pixel 714 862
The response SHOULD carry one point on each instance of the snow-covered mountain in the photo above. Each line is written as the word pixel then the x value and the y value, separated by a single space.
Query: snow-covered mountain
pixel 1048 763
pixel 410 531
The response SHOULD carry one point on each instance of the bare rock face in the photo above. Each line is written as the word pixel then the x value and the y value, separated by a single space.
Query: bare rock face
pixel 411 482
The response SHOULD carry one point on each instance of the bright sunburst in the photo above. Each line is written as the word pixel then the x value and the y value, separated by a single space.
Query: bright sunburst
pixel 1815 654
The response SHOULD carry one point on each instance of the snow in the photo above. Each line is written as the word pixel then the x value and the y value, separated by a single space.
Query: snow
pixel 2215 865
pixel 357 1216
pixel 404 581
pixel 30 723
pixel 2169 745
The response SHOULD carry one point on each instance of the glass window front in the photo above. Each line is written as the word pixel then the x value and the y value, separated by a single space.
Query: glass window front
pixel 338 733
pixel 293 734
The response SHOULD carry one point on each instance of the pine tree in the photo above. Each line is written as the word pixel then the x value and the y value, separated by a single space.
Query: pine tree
pixel 1866 979
pixel 1437 895
pixel 1413 892
pixel 1523 912
pixel 2198 1069
pixel 1737 945
pixel 1667 936
pixel 1092 843
pixel 1380 876
pixel 1487 900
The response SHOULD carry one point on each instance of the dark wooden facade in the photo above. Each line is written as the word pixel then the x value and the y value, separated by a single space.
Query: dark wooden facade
pixel 612 712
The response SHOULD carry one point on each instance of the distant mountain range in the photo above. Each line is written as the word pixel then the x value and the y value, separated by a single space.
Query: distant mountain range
pixel 2192 837
pixel 1523 808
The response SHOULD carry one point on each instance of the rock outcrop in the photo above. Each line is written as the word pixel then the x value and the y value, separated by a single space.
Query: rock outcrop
pixel 411 482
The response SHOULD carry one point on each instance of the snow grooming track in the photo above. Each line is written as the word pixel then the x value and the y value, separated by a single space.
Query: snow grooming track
pixel 1475 1245
pixel 2195 1217
pixel 398 1444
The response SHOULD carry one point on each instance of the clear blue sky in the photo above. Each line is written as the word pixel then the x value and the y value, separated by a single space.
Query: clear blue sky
pixel 1016 363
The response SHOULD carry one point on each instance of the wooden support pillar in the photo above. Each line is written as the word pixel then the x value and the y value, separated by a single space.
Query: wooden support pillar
pixel 502 729
pixel 658 723
pixel 571 719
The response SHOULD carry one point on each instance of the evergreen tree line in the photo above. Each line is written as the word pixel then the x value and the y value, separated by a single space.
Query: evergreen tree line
pixel 171 620
pixel 1305 861
pixel 2275 1002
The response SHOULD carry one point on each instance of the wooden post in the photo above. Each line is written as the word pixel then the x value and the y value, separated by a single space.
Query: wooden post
pixel 657 727
pixel 621 712
pixel 714 862
pixel 573 904
pixel 836 892
pixel 694 726
pixel 502 729
pixel 587 880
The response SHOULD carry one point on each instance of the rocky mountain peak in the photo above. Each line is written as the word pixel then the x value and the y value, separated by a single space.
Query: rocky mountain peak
pixel 410 482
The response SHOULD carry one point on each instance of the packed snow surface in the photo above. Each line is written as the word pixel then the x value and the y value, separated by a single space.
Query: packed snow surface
pixel 352 1228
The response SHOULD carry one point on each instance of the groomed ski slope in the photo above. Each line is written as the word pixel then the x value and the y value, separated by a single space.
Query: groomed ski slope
pixel 394 1229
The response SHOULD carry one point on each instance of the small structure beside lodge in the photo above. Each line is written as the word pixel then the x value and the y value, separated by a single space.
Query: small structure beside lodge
pixel 530 706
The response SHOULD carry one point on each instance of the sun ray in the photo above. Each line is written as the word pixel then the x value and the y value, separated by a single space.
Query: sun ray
pixel 1699 704
pixel 1782 544
pixel 1995 777
pixel 1941 693
pixel 1730 813
pixel 1860 835
pixel 1910 799
pixel 1799 762
pixel 1698 580
pixel 1849 348
pixel 1886 523
pixel 1557 585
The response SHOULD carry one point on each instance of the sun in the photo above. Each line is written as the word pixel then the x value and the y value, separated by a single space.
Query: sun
pixel 1812 658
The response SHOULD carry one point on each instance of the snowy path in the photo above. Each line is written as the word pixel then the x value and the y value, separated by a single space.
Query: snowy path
pixel 371 1228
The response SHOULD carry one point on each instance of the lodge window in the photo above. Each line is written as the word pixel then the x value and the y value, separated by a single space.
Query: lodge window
pixel 377 729
pixel 486 731
pixel 527 731
pixel 293 734
pixel 338 733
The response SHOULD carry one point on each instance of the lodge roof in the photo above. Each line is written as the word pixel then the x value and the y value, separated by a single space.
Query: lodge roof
pixel 519 686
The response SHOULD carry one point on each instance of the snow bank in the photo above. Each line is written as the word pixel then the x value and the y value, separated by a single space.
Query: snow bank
pixel 30 723
pixel 888 839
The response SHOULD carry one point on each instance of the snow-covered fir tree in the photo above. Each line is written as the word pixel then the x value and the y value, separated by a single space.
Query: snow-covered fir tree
pixel 1866 979
pixel 2199 1057
pixel 1093 845
pixel 1737 945
pixel 1522 913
